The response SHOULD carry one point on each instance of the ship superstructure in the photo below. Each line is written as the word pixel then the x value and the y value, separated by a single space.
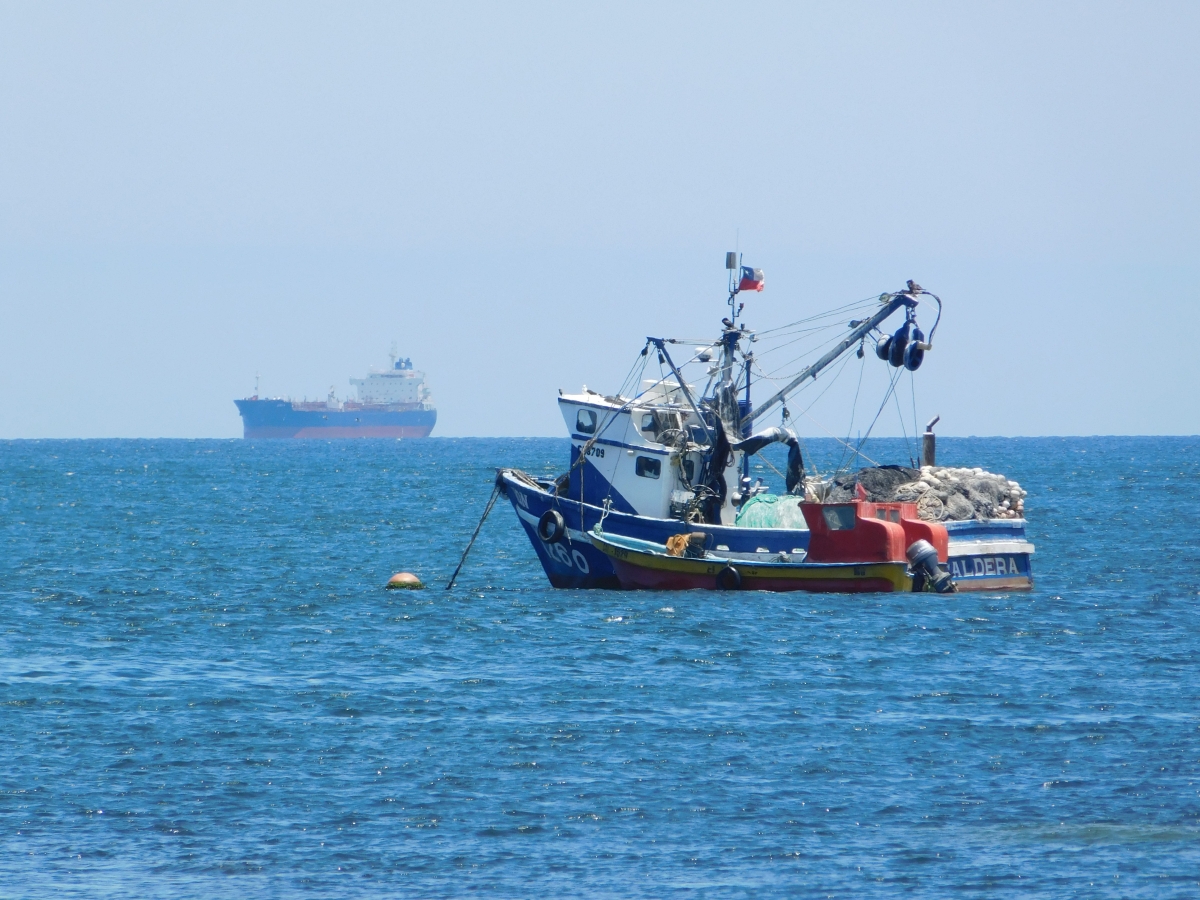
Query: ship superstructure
pixel 400 385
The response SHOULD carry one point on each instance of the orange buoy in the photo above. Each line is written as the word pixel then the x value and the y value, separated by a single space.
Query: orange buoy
pixel 404 581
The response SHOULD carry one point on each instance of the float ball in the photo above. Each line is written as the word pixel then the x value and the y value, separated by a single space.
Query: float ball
pixel 404 581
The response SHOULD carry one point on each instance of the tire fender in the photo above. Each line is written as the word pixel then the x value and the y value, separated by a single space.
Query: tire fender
pixel 551 527
pixel 729 579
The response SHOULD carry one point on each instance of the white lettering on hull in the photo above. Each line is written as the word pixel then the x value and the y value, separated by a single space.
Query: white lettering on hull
pixel 983 566
pixel 569 557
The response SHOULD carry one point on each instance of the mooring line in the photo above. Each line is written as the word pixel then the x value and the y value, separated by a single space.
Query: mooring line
pixel 491 502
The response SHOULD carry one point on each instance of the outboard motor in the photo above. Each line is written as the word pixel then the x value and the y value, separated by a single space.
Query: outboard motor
pixel 922 558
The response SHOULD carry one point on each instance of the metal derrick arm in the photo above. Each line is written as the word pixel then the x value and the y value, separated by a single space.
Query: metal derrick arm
pixel 891 304
pixel 861 330
pixel 661 345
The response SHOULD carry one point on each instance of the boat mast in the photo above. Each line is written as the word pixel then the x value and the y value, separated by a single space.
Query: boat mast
pixel 726 392
pixel 746 426
pixel 733 265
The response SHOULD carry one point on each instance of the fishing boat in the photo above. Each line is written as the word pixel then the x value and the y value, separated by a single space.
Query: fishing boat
pixel 664 456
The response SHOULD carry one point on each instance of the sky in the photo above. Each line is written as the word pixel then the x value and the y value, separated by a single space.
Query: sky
pixel 196 194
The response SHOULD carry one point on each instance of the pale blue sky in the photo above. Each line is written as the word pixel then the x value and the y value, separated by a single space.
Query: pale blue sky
pixel 518 194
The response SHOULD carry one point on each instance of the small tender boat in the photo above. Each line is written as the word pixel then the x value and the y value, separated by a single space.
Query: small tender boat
pixel 854 548
pixel 644 565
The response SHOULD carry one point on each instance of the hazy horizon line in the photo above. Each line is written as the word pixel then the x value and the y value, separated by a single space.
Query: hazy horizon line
pixel 526 437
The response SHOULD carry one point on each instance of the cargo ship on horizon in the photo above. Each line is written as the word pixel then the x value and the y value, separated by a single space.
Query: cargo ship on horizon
pixel 392 403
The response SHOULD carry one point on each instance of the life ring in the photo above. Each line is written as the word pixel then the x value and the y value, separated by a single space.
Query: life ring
pixel 729 579
pixel 551 527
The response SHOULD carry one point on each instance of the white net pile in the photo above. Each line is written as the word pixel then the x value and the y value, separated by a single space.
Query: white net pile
pixel 943 493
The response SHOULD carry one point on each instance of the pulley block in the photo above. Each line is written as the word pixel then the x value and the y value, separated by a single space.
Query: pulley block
pixel 897 346
pixel 914 353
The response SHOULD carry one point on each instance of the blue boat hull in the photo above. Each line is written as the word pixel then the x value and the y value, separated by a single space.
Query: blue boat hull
pixel 281 419
pixel 990 555
pixel 574 563
pixel 984 556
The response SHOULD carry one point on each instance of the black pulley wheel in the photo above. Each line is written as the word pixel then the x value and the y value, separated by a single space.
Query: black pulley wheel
pixel 729 579
pixel 897 346
pixel 551 526
pixel 914 355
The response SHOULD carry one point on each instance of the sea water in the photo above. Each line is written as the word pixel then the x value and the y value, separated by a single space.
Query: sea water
pixel 205 691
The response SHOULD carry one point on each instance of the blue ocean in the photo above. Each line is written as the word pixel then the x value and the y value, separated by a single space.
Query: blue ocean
pixel 206 691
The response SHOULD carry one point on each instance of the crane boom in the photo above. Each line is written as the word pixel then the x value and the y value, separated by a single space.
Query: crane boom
pixel 894 302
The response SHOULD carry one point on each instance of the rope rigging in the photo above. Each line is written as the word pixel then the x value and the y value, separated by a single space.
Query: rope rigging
pixel 856 305
pixel 886 397
pixel 724 382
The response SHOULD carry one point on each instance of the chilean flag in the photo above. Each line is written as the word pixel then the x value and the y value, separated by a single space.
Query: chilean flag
pixel 752 280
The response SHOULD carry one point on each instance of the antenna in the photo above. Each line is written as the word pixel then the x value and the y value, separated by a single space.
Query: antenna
pixel 256 376
pixel 392 356
pixel 733 264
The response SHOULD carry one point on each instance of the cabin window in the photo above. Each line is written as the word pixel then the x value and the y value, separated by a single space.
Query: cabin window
pixel 689 470
pixel 653 424
pixel 585 422
pixel 838 518
pixel 648 467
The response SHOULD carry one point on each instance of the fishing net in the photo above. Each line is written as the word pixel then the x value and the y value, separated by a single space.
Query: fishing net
pixel 941 493
pixel 771 511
